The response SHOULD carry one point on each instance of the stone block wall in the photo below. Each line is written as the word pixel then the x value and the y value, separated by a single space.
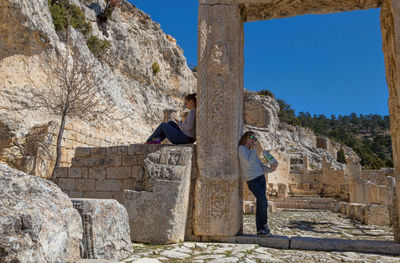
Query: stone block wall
pixel 104 172
pixel 78 135
pixel 369 192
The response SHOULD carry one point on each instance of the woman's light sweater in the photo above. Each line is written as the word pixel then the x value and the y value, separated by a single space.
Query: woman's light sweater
pixel 250 165
pixel 189 125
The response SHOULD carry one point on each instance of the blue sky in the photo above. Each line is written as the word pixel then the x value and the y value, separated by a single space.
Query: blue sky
pixel 323 64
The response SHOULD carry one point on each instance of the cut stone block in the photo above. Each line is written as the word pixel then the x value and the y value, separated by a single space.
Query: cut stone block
pixel 105 229
pixel 282 190
pixel 356 211
pixel 119 172
pixel 273 241
pixel 61 172
pixel 108 185
pixel 325 244
pixel 377 215
pixel 157 213
pixel 82 152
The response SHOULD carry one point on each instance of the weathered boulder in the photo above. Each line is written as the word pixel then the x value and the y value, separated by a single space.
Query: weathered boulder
pixel 106 232
pixel 37 220
pixel 157 211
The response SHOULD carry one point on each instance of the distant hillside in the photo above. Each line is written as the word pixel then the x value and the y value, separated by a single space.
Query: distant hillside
pixel 368 135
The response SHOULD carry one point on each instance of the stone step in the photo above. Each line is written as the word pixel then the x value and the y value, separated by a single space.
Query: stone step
pixel 311 243
pixel 303 202
pixel 327 244
pixel 317 197
pixel 304 199
pixel 302 205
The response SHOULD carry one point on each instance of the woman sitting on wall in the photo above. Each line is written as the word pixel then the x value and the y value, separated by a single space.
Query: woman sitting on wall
pixel 252 170
pixel 178 132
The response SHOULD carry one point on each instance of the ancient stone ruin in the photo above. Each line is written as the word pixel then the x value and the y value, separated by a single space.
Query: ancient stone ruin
pixel 220 91
pixel 190 192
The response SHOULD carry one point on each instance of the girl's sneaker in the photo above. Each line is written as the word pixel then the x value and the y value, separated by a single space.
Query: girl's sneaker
pixel 154 141
pixel 264 232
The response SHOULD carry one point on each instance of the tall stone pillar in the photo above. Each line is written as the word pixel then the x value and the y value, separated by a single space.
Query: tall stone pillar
pixel 390 25
pixel 218 210
pixel 305 165
pixel 354 169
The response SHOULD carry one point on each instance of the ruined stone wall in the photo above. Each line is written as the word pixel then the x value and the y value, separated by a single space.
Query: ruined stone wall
pixel 374 187
pixel 104 172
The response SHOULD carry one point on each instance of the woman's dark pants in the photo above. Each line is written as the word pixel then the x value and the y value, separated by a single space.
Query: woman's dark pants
pixel 258 187
pixel 171 131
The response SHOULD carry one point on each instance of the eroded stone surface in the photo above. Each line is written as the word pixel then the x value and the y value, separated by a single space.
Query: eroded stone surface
pixel 106 229
pixel 157 212
pixel 37 220
pixel 220 112
pixel 390 26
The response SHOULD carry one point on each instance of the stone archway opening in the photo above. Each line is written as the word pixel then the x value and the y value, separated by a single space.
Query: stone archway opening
pixel 218 205
pixel 307 196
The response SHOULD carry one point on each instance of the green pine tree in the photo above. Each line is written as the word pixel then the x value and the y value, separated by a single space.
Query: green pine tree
pixel 341 157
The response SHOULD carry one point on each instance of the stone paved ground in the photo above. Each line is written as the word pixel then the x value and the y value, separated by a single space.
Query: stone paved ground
pixel 318 223
pixel 248 253
pixel 284 222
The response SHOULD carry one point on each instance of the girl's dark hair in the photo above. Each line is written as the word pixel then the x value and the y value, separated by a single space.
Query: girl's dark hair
pixel 244 137
pixel 191 97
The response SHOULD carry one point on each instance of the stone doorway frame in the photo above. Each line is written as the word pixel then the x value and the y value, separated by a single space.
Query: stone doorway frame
pixel 218 202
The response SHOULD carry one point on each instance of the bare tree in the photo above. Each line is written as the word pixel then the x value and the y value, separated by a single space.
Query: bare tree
pixel 75 88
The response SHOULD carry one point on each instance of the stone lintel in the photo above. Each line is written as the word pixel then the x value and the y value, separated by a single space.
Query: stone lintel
pixel 219 2
pixel 255 10
pixel 326 244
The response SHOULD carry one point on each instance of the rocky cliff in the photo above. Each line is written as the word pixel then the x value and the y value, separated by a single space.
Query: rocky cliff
pixel 145 74
pixel 288 143
pixel 144 69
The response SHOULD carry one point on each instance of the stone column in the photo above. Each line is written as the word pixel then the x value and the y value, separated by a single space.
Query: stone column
pixel 218 210
pixel 354 169
pixel 390 25
pixel 305 164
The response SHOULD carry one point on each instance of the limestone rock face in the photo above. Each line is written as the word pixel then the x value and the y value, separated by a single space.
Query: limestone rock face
pixel 260 111
pixel 291 142
pixel 157 211
pixel 106 232
pixel 139 94
pixel 37 221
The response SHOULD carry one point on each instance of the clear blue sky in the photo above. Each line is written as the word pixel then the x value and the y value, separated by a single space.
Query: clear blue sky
pixel 323 64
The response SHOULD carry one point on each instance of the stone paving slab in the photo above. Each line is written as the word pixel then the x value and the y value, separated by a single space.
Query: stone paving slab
pixel 326 244
pixel 272 241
